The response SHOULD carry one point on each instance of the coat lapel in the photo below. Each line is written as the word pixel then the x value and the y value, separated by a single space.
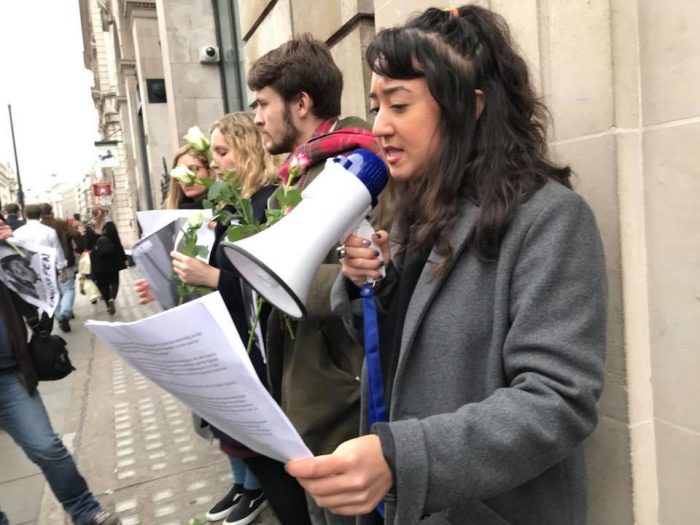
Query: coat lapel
pixel 428 286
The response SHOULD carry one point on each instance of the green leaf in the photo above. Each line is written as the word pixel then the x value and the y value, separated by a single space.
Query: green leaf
pixel 202 251
pixel 235 232
pixel 208 204
pixel 215 190
pixel 293 197
pixel 241 231
pixel 189 249
pixel 224 217
pixel 202 290
pixel 273 215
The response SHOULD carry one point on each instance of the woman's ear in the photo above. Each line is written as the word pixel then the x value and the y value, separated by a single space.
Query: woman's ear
pixel 480 102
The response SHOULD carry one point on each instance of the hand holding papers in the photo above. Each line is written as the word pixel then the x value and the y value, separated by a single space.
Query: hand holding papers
pixel 194 352
pixel 152 253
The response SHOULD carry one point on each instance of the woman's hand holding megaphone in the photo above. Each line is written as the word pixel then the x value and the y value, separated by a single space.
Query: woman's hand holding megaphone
pixel 361 261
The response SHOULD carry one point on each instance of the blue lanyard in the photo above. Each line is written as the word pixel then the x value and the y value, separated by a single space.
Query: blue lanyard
pixel 377 409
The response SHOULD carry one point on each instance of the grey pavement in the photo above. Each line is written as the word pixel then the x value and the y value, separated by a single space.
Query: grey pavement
pixel 133 442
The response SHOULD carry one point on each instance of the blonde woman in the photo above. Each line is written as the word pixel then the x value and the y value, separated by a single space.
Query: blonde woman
pixel 237 147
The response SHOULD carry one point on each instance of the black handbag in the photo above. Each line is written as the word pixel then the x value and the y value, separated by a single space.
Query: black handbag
pixel 48 352
pixel 49 357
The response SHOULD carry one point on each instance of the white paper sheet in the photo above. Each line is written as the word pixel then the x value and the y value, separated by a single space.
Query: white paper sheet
pixel 152 257
pixel 152 220
pixel 31 274
pixel 194 352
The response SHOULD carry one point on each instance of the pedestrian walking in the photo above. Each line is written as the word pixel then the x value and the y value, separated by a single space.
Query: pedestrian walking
pixel 12 218
pixel 23 416
pixel 72 243
pixel 36 232
pixel 107 257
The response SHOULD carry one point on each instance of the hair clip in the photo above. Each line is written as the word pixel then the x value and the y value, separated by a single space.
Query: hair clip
pixel 454 11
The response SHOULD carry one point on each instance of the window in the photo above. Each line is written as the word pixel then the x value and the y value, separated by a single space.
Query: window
pixel 232 59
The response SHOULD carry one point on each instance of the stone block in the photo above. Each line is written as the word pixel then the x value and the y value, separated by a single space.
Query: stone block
pixel 349 55
pixel 625 41
pixel 322 24
pixel 250 12
pixel 678 453
pixel 194 80
pixel 672 183
pixel 274 31
pixel 609 474
pixel 350 8
pixel 577 66
pixel 523 21
pixel 670 69
pixel 633 248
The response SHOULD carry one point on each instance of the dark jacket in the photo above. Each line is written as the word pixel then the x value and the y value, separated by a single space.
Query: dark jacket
pixel 71 241
pixel 12 309
pixel 500 368
pixel 14 222
pixel 111 263
pixel 315 375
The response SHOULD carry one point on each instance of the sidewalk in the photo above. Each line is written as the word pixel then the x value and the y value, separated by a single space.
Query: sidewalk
pixel 133 442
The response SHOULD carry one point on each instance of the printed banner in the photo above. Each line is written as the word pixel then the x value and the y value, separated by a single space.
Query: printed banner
pixel 30 271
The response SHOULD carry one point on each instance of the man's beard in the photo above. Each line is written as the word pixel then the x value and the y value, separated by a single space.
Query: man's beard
pixel 285 143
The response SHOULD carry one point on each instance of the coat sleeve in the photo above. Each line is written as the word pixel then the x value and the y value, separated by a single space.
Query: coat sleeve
pixel 111 230
pixel 553 365
pixel 60 256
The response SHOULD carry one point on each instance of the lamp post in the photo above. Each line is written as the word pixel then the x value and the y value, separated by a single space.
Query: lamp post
pixel 20 193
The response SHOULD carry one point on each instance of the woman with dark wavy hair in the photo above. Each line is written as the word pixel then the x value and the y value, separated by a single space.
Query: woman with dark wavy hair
pixel 492 313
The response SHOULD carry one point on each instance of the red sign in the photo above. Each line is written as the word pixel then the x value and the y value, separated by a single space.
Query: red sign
pixel 100 189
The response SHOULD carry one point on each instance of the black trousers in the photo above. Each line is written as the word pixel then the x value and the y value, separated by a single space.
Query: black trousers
pixel 283 492
pixel 108 284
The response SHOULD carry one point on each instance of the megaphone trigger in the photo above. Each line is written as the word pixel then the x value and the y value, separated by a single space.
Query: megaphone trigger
pixel 365 230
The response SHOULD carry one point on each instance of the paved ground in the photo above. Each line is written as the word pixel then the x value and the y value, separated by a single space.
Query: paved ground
pixel 133 442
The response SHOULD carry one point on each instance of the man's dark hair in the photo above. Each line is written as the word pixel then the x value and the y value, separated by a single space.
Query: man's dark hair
pixel 12 208
pixel 46 209
pixel 301 64
pixel 32 211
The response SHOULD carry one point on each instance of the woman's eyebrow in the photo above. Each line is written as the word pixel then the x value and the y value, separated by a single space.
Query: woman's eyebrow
pixel 390 91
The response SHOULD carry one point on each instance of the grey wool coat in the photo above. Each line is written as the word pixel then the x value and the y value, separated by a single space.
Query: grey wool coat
pixel 499 373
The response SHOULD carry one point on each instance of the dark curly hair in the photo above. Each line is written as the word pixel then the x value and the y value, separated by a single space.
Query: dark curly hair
pixel 498 159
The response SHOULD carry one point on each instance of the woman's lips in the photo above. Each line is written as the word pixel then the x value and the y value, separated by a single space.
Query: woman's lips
pixel 393 155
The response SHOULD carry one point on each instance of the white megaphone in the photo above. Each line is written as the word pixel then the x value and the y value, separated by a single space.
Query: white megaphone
pixel 280 262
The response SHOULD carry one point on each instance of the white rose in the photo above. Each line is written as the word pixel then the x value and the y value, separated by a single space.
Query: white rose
pixel 197 139
pixel 184 175
pixel 196 220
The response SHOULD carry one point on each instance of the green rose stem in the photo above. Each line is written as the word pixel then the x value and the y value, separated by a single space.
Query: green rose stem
pixel 251 335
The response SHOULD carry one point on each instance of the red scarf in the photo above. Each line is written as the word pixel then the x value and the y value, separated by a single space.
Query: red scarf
pixel 325 143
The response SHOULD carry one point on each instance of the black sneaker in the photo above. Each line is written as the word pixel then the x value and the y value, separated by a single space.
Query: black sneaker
pixel 110 307
pixel 105 518
pixel 251 504
pixel 223 508
pixel 64 324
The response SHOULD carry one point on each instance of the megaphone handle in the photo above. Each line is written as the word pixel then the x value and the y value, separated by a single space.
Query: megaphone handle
pixel 364 229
